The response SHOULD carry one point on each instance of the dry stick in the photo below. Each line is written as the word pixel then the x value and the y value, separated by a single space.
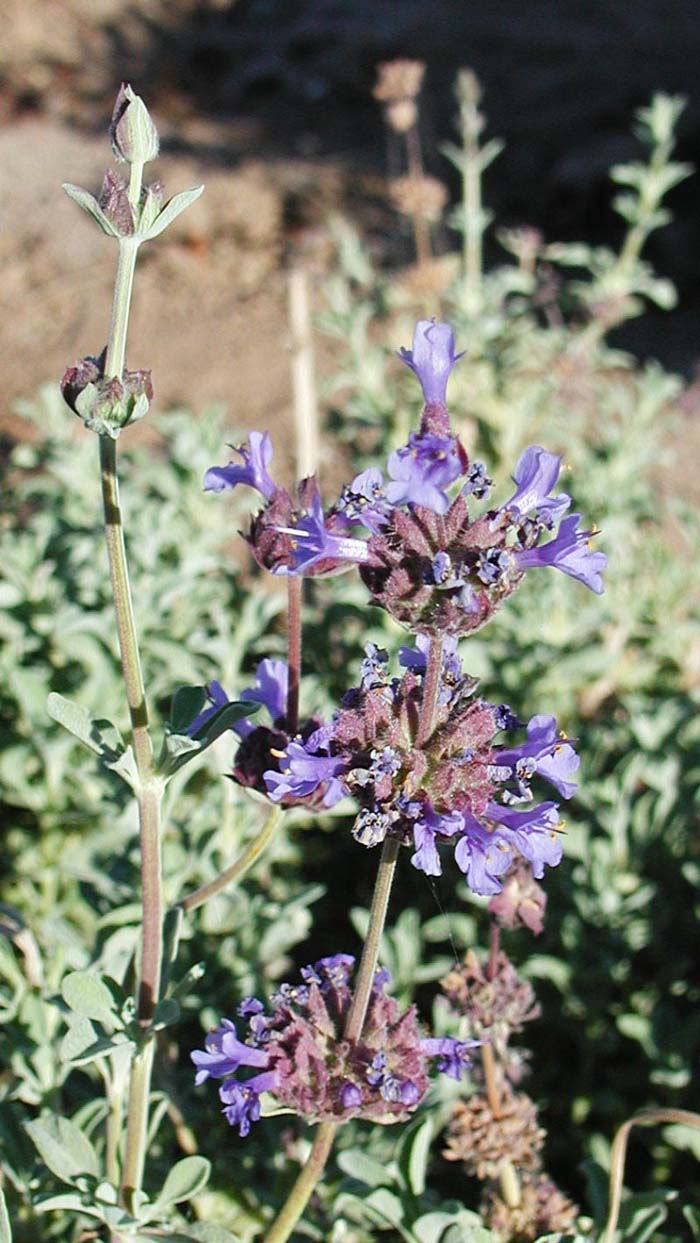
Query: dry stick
pixel 414 158
pixel 305 407
pixel 309 1176
pixel 303 376
pixel 648 1117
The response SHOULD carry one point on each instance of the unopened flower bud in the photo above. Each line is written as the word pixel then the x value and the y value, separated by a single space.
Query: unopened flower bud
pixel 114 202
pixel 132 133
pixel 106 404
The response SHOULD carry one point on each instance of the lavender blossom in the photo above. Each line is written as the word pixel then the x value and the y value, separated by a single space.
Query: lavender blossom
pixel 312 542
pixel 570 551
pixel 534 833
pixel 453 1056
pixel 483 854
pixel 253 471
pixel 271 686
pixel 426 830
pixel 545 753
pixel 304 767
pixel 432 358
pixel 422 469
pixel 536 473
pixel 224 1053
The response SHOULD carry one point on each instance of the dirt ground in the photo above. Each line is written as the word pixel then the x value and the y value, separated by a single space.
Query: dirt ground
pixel 268 103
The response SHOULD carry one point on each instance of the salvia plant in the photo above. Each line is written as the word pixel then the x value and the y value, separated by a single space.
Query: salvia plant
pixel 414 747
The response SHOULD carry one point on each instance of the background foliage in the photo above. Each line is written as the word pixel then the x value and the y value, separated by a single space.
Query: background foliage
pixel 615 967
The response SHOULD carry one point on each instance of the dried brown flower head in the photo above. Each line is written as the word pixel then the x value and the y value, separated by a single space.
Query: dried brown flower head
pixel 484 1142
pixel 422 197
pixel 496 1007
pixel 398 79
pixel 543 1209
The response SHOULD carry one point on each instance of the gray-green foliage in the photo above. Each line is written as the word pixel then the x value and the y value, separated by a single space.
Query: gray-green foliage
pixel 614 967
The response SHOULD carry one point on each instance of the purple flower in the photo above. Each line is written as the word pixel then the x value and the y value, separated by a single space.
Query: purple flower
pixel 253 471
pixel 373 668
pixel 426 830
pixel 242 1100
pixel 223 1053
pixel 270 690
pixel 363 501
pixel 350 1096
pixel 390 1087
pixel 416 658
pixel 536 473
pixel 432 358
pixel 302 771
pixel 422 469
pixel 313 542
pixel 534 833
pixel 218 699
pixel 453 1055
pixel 478 483
pixel 482 855
pixel 333 971
pixel 544 753
pixel 571 551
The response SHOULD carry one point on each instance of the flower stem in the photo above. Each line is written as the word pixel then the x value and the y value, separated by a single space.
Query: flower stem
pixel 305 1184
pixel 237 869
pixel 149 787
pixel 137 1122
pixel 303 1188
pixel 431 689
pixel 294 590
pixel 370 951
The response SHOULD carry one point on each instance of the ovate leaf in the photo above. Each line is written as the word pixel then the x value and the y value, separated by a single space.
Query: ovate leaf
pixel 63 1147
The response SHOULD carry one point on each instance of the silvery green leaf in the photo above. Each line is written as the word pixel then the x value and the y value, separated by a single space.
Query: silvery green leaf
pixel 5 1227
pixel 89 204
pixel 185 1180
pixel 413 1154
pixel 63 1147
pixel 173 208
pixel 166 1012
pixel 74 718
pixel 209 1232
pixel 124 766
pixel 356 1164
pixel 87 995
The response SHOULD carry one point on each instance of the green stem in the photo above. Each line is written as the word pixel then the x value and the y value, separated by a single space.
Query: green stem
pixel 149 790
pixel 305 1184
pixel 238 869
pixel 370 950
pixel 137 1122
pixel 313 1168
